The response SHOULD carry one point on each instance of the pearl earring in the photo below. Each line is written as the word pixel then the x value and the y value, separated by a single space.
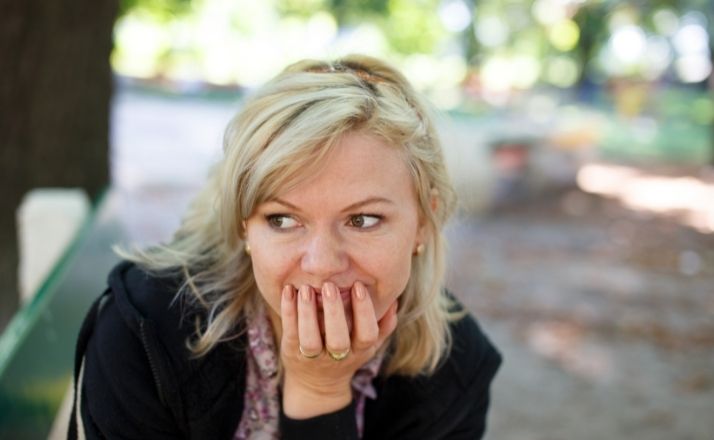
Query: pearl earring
pixel 247 249
pixel 420 248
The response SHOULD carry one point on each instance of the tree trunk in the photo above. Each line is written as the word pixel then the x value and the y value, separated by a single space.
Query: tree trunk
pixel 55 90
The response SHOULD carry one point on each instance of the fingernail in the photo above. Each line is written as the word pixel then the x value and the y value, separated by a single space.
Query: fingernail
pixel 288 292
pixel 360 290
pixel 305 293
pixel 328 291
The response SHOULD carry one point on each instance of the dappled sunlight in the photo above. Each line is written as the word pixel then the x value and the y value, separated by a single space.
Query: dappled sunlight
pixel 689 199
pixel 569 345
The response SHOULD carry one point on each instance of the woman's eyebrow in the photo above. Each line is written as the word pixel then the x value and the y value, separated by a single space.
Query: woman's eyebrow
pixel 367 201
pixel 284 203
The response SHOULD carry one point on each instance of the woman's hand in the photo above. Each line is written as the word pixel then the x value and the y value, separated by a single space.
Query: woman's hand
pixel 315 382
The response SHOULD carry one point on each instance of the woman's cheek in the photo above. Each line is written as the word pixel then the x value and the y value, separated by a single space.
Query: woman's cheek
pixel 391 285
pixel 269 276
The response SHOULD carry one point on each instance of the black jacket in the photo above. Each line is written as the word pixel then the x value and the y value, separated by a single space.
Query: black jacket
pixel 139 381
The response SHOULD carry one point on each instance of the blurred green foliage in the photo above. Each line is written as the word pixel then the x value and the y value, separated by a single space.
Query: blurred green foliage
pixel 464 54
pixel 163 10
pixel 412 26
pixel 409 25
pixel 566 37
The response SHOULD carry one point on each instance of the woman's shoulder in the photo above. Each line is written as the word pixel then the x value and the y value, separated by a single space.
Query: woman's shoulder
pixel 124 362
pixel 152 307
pixel 144 296
pixel 136 360
pixel 473 358
pixel 454 398
pixel 136 301
pixel 148 294
pixel 469 365
pixel 139 309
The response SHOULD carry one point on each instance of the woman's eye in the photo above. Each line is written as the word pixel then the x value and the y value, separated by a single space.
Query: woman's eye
pixel 281 221
pixel 364 221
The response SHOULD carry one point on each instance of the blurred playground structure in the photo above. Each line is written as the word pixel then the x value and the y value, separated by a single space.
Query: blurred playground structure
pixel 580 138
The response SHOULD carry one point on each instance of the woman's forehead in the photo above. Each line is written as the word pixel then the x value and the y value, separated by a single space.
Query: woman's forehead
pixel 359 166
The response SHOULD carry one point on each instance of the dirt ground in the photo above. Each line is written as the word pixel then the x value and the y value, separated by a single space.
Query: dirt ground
pixel 605 318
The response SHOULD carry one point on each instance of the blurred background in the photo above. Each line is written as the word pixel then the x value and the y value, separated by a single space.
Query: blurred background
pixel 579 135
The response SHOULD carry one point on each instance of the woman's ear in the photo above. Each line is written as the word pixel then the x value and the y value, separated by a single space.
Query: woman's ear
pixel 424 225
pixel 244 230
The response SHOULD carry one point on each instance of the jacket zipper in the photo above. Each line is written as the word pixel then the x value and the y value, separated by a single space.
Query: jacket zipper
pixel 151 362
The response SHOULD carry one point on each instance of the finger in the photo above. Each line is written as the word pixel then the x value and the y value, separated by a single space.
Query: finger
pixel 288 318
pixel 387 324
pixel 365 328
pixel 337 335
pixel 307 323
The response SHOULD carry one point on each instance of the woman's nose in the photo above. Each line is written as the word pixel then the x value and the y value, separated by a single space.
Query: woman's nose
pixel 324 255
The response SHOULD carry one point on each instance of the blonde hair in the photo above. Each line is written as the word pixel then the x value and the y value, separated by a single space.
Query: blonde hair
pixel 289 126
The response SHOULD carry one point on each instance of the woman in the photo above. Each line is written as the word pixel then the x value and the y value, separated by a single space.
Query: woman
pixel 302 296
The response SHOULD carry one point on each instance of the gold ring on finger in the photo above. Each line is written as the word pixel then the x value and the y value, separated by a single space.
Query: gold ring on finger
pixel 308 355
pixel 338 356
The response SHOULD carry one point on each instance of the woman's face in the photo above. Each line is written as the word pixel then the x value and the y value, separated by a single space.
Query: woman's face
pixel 356 219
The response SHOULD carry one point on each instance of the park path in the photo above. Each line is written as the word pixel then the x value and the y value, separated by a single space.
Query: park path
pixel 605 316
pixel 605 319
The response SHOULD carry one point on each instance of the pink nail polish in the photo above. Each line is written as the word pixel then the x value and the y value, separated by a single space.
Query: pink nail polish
pixel 305 293
pixel 360 290
pixel 328 291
